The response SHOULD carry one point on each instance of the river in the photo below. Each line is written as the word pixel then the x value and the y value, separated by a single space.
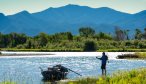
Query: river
pixel 25 69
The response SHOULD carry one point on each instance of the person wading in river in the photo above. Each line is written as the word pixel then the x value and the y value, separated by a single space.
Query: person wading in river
pixel 103 59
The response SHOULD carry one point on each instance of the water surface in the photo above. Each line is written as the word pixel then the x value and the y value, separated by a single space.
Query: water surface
pixel 26 69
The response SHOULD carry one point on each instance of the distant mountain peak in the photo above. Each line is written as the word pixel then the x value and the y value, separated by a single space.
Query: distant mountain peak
pixel 70 18
pixel 79 6
pixel 104 8
pixel 142 12
pixel 2 15
pixel 107 9
pixel 74 6
pixel 3 18
pixel 71 5
pixel 24 12
pixel 66 6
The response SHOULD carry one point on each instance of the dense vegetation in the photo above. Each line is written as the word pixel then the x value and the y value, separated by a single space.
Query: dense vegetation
pixel 137 55
pixel 87 40
pixel 126 77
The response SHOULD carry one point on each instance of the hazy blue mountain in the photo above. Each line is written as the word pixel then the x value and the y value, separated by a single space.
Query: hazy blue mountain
pixel 3 19
pixel 81 14
pixel 71 18
pixel 137 20
pixel 4 23
pixel 26 23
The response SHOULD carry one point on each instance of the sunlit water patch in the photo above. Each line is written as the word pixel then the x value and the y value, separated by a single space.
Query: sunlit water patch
pixel 27 70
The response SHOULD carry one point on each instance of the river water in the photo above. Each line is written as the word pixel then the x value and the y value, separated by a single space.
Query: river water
pixel 25 69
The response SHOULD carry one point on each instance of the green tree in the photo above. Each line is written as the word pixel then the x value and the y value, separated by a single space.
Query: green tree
pixel 144 34
pixel 28 44
pixel 126 32
pixel 69 36
pixel 90 46
pixel 42 39
pixel 2 45
pixel 102 35
pixel 86 31
pixel 120 35
pixel 61 36
pixel 138 34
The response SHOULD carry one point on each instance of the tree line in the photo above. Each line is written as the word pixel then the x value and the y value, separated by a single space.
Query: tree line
pixel 87 40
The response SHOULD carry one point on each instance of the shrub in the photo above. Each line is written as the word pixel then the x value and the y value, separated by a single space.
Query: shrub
pixel 90 46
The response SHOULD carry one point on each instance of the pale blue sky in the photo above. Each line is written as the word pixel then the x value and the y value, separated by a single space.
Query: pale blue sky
pixel 9 7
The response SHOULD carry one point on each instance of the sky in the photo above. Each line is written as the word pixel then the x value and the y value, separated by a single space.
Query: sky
pixel 9 7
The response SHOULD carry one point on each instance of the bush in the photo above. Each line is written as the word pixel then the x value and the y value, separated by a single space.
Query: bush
pixel 90 46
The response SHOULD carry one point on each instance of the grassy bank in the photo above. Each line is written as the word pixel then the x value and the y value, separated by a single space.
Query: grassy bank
pixel 72 50
pixel 141 54
pixel 122 50
pixel 8 82
pixel 137 55
pixel 137 76
pixel 41 50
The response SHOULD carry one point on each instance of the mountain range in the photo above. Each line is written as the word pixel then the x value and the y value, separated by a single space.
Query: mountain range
pixel 71 18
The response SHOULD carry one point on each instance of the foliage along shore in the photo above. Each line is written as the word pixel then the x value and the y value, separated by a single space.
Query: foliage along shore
pixel 137 76
pixel 71 50
pixel 137 55
pixel 87 40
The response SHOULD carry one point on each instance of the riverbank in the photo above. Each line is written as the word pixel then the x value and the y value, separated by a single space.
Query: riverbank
pixel 137 55
pixel 71 50
pixel 111 55
pixel 40 50
pixel 136 76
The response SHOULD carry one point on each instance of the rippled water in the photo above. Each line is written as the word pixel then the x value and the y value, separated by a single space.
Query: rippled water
pixel 27 69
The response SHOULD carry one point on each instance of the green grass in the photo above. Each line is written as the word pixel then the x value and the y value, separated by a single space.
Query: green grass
pixel 137 76
pixel 141 54
pixel 8 82
pixel 42 50
pixel 122 50
pixel 73 50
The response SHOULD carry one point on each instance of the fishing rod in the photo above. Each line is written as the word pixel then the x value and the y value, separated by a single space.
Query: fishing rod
pixel 74 72
pixel 41 69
